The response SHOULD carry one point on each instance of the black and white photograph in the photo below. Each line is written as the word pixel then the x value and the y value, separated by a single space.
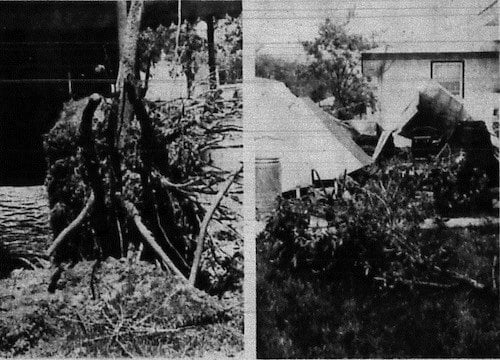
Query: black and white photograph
pixel 121 225
pixel 376 178
pixel 323 184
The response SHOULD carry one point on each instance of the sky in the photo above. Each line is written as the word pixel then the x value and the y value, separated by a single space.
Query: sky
pixel 279 26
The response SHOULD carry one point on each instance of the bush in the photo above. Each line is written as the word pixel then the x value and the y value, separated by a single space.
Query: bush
pixel 370 282
pixel 461 187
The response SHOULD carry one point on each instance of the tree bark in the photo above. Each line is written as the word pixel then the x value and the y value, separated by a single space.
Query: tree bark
pixel 121 14
pixel 204 226
pixel 148 237
pixel 127 67
pixel 211 52
pixel 63 235
pixel 91 162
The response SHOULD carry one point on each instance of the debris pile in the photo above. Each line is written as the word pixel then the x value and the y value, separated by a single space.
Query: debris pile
pixel 144 189
pixel 124 308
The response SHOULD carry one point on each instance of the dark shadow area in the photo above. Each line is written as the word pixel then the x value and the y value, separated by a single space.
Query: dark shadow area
pixel 27 112
pixel 39 71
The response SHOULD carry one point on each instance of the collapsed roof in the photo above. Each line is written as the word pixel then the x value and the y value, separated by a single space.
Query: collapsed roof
pixel 435 107
pixel 302 136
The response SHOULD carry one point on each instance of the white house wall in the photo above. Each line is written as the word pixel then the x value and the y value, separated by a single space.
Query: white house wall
pixel 481 81
pixel 400 83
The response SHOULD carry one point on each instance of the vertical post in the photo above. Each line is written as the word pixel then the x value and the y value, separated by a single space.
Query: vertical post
pixel 211 52
pixel 70 87
pixel 250 35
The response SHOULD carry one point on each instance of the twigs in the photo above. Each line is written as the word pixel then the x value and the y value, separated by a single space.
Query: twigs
pixel 92 166
pixel 463 279
pixel 93 279
pixel 63 235
pixel 204 225
pixel 133 213
pixel 166 183
pixel 91 162
pixel 165 236
pixel 157 167
pixel 425 284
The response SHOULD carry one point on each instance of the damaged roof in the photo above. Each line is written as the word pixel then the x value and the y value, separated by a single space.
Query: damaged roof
pixel 301 135
pixel 339 131
pixel 435 107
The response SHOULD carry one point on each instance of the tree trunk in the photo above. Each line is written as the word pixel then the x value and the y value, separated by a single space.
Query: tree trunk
pixel 121 14
pixel 128 67
pixel 146 78
pixel 211 52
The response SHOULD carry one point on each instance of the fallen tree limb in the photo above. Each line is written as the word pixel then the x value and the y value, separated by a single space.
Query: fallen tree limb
pixel 426 284
pixel 168 184
pixel 165 236
pixel 63 235
pixel 463 279
pixel 204 225
pixel 429 224
pixel 133 213
pixel 91 161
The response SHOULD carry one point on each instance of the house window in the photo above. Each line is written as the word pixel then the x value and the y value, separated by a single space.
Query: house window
pixel 450 74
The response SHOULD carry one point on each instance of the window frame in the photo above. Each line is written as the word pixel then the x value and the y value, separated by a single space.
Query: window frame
pixel 462 80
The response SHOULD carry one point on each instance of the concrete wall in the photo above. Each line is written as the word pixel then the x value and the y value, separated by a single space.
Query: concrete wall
pixel 398 85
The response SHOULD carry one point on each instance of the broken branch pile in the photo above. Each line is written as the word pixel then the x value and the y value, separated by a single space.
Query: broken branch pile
pixel 371 236
pixel 107 195
pixel 137 313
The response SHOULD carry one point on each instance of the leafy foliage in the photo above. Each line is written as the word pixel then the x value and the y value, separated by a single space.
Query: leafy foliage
pixel 293 74
pixel 185 48
pixel 334 70
pixel 336 64
pixel 184 131
pixel 370 282
pixel 462 186
pixel 229 42
pixel 189 51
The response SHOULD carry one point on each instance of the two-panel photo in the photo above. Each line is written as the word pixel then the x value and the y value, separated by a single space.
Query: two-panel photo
pixel 249 179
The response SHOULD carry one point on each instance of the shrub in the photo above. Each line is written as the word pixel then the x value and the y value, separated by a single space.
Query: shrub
pixel 371 283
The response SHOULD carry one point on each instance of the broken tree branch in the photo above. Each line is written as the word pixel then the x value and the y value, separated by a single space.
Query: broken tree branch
pixel 92 164
pixel 460 222
pixel 63 235
pixel 168 184
pixel 463 279
pixel 204 225
pixel 165 236
pixel 148 237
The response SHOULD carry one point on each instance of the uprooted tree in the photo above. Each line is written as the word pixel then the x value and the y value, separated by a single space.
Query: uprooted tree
pixel 126 172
